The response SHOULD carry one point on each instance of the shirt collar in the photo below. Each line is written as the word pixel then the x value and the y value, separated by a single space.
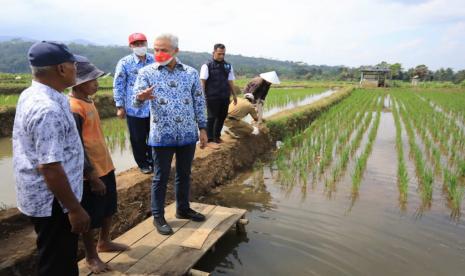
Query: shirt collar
pixel 148 58
pixel 179 65
pixel 51 93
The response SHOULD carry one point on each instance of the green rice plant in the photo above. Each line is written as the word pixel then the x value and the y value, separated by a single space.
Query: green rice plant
pixel 115 132
pixel 454 190
pixel 363 158
pixel 402 175
pixel 424 174
pixel 8 100
pixel 283 97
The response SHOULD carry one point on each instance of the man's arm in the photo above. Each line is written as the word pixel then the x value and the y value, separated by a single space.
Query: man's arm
pixel 231 79
pixel 203 75
pixel 200 110
pixel 57 182
pixel 253 113
pixel 142 90
pixel 119 89
pixel 233 93
pixel 49 134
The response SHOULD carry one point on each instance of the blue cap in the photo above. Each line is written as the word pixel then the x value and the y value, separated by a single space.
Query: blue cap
pixel 46 53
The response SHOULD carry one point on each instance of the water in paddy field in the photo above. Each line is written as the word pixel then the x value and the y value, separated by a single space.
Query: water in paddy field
pixel 115 131
pixel 299 230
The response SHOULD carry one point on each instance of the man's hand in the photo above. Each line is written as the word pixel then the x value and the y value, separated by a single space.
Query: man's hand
pixel 235 100
pixel 121 112
pixel 57 181
pixel 97 186
pixel 79 220
pixel 203 138
pixel 146 94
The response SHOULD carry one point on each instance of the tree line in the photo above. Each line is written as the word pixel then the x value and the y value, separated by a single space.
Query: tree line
pixel 13 60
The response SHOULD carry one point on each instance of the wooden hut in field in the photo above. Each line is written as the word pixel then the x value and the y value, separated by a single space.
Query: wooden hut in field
pixel 375 76
pixel 415 80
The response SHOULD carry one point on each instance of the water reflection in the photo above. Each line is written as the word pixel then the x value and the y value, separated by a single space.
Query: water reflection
pixel 317 236
pixel 249 194
pixel 225 255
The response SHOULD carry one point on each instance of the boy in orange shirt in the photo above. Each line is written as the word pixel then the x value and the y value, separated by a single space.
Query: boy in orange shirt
pixel 99 197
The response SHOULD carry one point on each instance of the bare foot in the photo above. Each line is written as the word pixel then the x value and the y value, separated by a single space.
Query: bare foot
pixel 111 247
pixel 96 265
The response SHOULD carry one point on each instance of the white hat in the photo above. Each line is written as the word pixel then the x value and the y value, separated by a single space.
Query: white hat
pixel 270 77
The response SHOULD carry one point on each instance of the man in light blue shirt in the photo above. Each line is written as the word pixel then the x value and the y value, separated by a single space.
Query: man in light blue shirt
pixel 48 159
pixel 138 118
pixel 178 114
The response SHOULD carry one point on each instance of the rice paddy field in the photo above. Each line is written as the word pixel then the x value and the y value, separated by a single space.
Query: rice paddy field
pixel 429 134
pixel 374 186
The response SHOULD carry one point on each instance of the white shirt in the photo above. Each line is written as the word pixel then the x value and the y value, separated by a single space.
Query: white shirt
pixel 204 73
pixel 44 132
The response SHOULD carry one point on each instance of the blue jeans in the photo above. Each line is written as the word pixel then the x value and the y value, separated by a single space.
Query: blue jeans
pixel 162 157
pixel 139 129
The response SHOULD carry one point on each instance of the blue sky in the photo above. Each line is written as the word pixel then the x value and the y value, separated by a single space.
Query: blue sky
pixel 351 32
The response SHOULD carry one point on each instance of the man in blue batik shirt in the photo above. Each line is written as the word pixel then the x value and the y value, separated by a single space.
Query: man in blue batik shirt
pixel 178 114
pixel 138 118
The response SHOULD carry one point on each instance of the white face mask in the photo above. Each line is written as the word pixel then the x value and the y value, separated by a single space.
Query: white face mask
pixel 165 62
pixel 140 51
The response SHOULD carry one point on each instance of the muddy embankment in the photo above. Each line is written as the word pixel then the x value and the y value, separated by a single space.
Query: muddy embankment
pixel 210 168
pixel 104 104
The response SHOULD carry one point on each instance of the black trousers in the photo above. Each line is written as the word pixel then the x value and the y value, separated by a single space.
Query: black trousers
pixel 139 129
pixel 56 244
pixel 217 110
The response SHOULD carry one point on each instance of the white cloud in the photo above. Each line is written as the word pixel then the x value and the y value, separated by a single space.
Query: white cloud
pixel 331 32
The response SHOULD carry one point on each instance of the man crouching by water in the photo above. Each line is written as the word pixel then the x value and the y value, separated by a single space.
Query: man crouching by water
pixel 177 114
pixel 48 159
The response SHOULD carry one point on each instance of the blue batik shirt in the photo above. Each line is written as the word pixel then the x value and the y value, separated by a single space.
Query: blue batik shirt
pixel 125 77
pixel 178 110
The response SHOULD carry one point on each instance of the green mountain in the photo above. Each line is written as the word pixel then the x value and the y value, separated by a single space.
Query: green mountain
pixel 13 60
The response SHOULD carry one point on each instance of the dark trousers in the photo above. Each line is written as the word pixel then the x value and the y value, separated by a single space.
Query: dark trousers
pixel 56 245
pixel 217 111
pixel 162 157
pixel 139 129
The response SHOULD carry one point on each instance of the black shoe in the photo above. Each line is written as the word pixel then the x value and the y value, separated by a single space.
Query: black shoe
pixel 190 214
pixel 162 226
pixel 146 170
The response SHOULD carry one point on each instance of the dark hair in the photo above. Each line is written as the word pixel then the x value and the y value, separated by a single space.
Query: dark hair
pixel 218 45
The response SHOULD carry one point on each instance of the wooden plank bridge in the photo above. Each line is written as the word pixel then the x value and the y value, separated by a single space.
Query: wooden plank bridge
pixel 155 254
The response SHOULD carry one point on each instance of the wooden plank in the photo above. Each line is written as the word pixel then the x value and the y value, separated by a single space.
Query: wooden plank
pixel 132 236
pixel 195 272
pixel 167 250
pixel 170 258
pixel 197 238
pixel 144 246
pixel 187 258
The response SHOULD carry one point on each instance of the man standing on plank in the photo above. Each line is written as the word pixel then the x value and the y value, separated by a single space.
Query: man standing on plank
pixel 177 108
pixel 217 78
pixel 48 159
pixel 138 119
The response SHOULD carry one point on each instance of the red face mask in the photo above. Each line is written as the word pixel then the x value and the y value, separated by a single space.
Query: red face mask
pixel 162 57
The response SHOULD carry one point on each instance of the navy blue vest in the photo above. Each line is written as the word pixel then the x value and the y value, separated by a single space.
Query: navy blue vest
pixel 217 85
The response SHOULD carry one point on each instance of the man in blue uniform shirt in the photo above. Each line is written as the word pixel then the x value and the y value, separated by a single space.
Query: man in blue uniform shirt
pixel 138 119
